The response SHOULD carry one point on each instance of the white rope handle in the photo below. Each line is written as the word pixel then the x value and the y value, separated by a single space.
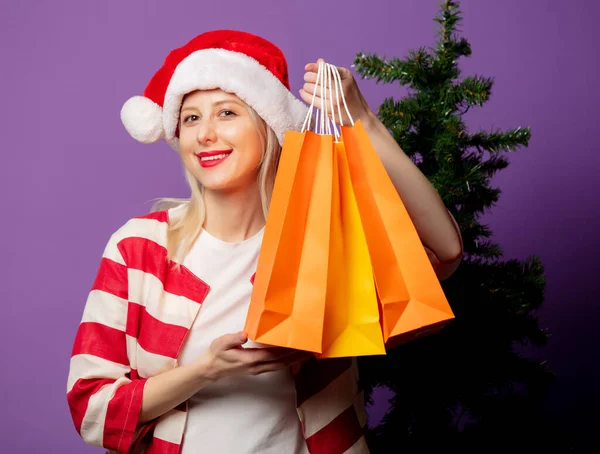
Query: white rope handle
pixel 338 80
pixel 322 121
pixel 312 104
pixel 329 89
pixel 325 127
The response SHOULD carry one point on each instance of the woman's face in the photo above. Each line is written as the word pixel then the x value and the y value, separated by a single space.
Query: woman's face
pixel 219 141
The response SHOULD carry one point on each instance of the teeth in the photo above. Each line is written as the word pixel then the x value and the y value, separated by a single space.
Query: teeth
pixel 212 158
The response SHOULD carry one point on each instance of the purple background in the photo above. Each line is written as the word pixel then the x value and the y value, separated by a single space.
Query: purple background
pixel 70 174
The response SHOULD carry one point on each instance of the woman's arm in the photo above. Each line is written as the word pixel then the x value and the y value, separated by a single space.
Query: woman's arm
pixel 104 393
pixel 166 391
pixel 423 203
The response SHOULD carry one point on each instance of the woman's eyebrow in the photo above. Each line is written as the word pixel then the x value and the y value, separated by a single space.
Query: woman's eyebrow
pixel 228 101
pixel 216 104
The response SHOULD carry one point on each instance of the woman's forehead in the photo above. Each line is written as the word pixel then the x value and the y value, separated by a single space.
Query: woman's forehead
pixel 210 96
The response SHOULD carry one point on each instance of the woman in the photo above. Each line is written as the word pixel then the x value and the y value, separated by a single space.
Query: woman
pixel 151 372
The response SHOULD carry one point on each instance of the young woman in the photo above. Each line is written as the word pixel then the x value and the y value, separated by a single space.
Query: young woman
pixel 159 363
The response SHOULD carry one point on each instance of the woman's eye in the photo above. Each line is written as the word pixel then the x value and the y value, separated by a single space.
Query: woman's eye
pixel 226 113
pixel 190 118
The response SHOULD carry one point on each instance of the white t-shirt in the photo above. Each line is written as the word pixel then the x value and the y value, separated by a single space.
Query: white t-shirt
pixel 249 414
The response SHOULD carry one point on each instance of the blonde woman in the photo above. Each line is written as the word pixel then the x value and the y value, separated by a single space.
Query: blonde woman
pixel 159 363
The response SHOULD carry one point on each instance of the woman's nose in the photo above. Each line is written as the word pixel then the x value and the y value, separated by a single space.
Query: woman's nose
pixel 206 133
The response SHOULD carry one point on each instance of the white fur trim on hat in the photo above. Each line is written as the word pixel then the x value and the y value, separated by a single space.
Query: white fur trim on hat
pixel 236 73
pixel 143 119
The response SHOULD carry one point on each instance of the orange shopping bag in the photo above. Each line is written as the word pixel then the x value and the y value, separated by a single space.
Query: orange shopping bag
pixel 412 299
pixel 314 288
pixel 287 305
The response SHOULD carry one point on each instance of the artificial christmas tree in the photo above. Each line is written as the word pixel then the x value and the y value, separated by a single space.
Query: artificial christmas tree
pixel 469 382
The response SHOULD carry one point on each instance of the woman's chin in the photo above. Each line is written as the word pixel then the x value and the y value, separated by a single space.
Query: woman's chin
pixel 229 184
pixel 220 187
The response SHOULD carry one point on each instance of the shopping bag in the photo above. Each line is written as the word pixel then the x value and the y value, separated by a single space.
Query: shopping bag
pixel 412 300
pixel 287 304
pixel 352 325
pixel 314 288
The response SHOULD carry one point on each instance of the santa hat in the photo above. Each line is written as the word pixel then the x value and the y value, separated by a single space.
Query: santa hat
pixel 246 65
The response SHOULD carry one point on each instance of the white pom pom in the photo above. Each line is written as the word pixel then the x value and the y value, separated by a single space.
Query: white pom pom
pixel 142 119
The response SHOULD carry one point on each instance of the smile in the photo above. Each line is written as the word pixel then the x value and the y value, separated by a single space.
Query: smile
pixel 213 158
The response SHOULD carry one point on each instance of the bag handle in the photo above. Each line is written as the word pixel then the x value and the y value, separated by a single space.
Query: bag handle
pixel 323 123
pixel 340 92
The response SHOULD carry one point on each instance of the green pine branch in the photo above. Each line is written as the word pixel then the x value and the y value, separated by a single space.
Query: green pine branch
pixel 449 48
pixel 488 250
pixel 452 50
pixel 497 141
pixel 398 114
pixel 472 91
pixel 371 66
pixel 493 165
pixel 448 18
pixel 414 71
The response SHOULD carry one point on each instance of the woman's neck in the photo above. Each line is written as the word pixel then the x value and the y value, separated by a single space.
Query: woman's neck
pixel 233 216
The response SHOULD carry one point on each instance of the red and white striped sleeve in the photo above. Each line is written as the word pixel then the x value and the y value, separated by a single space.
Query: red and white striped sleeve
pixel 103 392
pixel 445 268
pixel 331 406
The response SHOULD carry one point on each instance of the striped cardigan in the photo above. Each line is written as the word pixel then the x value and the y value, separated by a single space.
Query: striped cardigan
pixel 134 324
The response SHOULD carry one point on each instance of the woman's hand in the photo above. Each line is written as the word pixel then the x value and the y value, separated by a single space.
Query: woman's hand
pixel 226 358
pixel 358 107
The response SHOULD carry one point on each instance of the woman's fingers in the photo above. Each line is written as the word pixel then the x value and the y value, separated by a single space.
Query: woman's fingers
pixel 272 355
pixel 312 78
pixel 328 93
pixel 230 341
pixel 254 361
pixel 231 358
pixel 318 104
pixel 296 357
pixel 313 66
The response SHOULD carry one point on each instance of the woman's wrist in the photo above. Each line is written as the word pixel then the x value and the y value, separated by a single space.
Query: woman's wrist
pixel 204 370
pixel 369 120
pixel 167 390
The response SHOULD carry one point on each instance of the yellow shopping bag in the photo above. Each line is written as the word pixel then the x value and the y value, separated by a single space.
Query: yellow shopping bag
pixel 352 326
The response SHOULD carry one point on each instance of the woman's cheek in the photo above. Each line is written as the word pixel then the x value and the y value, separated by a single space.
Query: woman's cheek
pixel 231 133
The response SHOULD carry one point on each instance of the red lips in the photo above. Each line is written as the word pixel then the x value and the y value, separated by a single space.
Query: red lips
pixel 206 154
pixel 212 158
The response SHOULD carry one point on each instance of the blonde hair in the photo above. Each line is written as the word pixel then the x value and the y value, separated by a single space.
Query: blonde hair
pixel 185 224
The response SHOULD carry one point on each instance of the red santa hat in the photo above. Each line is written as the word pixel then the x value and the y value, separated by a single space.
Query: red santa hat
pixel 241 63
